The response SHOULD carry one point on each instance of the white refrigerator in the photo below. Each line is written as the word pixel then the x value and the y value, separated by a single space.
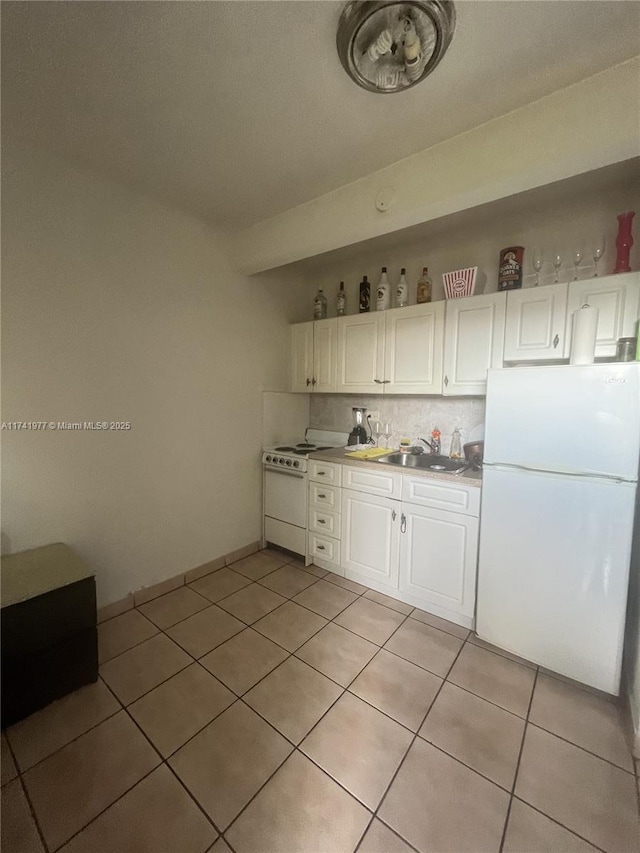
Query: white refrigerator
pixel 558 495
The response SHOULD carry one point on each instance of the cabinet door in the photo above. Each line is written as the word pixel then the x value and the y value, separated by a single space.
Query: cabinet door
pixel 535 323
pixel 617 299
pixel 361 353
pixel 413 349
pixel 325 355
pixel 473 342
pixel 370 532
pixel 438 557
pixel 301 356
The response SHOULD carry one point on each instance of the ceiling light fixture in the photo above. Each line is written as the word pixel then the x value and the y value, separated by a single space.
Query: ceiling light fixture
pixel 390 45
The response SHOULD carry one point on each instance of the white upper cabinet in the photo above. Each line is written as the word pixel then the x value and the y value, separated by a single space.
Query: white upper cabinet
pixel 361 353
pixel 301 356
pixel 535 323
pixel 325 355
pixel 413 349
pixel 314 355
pixel 473 342
pixel 617 298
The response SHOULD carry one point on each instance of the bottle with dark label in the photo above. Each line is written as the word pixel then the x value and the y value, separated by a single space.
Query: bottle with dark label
pixel 320 306
pixel 341 301
pixel 402 290
pixel 510 269
pixel 365 295
pixel 424 286
pixel 383 295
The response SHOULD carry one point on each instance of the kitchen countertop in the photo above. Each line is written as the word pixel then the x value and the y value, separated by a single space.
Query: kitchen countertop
pixel 342 457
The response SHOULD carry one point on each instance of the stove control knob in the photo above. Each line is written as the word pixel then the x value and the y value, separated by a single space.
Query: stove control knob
pixel 267 459
pixel 279 460
pixel 288 462
pixel 296 463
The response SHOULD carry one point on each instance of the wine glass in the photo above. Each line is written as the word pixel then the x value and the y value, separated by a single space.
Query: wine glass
pixel 577 257
pixel 557 263
pixel 377 431
pixel 386 432
pixel 597 253
pixel 537 262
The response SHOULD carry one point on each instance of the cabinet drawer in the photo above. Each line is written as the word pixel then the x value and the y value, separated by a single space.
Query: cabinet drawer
pixel 324 548
pixel 324 522
pixel 324 497
pixel 440 495
pixel 324 472
pixel 384 483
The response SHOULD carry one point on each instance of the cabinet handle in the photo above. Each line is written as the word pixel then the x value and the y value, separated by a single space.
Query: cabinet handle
pixel 446 381
pixel 308 382
pixel 556 341
pixel 313 381
pixel 403 523
pixel 321 521
pixel 385 381
pixel 320 548
pixel 322 496
pixel 378 381
pixel 321 473
pixel 394 515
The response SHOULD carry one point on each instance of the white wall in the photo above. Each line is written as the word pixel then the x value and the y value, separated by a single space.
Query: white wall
pixel 116 308
pixel 589 125
pixel 566 218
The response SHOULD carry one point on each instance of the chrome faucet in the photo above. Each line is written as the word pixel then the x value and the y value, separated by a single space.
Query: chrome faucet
pixel 434 446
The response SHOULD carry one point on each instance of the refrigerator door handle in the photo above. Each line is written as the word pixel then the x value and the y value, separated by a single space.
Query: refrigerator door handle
pixel 496 466
pixel 556 341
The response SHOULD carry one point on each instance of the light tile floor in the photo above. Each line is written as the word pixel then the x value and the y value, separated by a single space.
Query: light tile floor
pixel 269 708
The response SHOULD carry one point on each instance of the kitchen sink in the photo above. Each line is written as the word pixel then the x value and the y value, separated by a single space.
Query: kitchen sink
pixel 425 462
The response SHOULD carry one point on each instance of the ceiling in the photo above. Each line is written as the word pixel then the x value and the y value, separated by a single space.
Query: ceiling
pixel 236 110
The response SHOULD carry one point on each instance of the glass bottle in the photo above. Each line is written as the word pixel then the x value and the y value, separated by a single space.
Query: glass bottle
pixel 383 296
pixel 365 295
pixel 341 300
pixel 424 286
pixel 456 445
pixel 320 306
pixel 402 290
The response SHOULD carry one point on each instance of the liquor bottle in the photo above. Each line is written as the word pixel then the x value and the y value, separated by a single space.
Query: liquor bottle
pixel 424 286
pixel 402 290
pixel 341 300
pixel 320 306
pixel 365 295
pixel 383 297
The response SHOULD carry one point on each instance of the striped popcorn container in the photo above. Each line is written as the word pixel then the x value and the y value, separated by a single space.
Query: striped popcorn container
pixel 460 282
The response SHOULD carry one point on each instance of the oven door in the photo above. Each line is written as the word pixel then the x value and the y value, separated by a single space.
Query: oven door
pixel 285 496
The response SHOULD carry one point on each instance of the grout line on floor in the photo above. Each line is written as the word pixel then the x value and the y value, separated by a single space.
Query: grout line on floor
pixel 34 817
pixel 557 822
pixel 413 740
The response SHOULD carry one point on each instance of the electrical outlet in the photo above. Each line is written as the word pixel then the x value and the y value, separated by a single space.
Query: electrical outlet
pixel 374 416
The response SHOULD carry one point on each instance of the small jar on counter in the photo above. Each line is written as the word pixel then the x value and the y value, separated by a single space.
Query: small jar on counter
pixel 626 349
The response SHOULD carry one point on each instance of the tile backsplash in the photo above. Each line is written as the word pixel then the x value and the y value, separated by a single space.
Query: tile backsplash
pixel 410 417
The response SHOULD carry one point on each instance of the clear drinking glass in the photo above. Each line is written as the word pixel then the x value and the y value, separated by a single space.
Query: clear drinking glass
pixel 577 257
pixel 597 253
pixel 557 263
pixel 386 432
pixel 377 431
pixel 537 262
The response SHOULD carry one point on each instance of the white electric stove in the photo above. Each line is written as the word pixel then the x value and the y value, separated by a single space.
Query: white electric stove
pixel 285 487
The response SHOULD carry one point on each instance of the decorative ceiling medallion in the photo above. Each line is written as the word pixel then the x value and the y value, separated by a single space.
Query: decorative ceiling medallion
pixel 390 45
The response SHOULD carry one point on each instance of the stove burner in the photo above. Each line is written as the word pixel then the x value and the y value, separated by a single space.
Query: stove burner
pixel 305 444
pixel 286 449
pixel 299 452
pixel 324 448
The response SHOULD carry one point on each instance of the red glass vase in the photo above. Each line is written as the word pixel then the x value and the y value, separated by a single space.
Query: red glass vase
pixel 624 241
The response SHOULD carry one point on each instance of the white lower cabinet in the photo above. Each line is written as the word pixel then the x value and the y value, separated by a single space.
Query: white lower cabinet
pixel 370 536
pixel 438 557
